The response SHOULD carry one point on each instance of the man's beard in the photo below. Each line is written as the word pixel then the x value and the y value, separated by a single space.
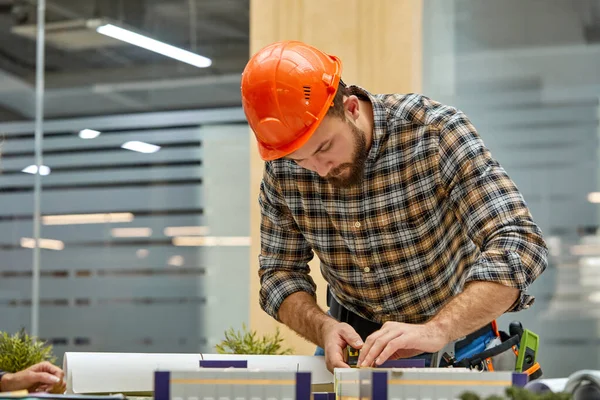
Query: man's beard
pixel 353 171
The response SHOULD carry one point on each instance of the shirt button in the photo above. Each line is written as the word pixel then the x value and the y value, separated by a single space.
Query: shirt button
pixel 378 309
pixel 367 269
pixel 357 224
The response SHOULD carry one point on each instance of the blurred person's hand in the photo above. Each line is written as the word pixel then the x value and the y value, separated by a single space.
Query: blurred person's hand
pixel 41 377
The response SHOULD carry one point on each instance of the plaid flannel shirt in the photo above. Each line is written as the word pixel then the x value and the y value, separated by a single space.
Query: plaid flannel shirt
pixel 435 211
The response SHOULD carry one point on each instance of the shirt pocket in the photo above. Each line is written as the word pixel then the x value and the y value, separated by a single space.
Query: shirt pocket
pixel 406 235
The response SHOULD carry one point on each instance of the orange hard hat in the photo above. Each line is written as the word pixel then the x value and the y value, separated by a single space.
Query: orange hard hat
pixel 287 88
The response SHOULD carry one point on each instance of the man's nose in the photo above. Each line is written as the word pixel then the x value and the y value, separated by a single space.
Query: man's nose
pixel 323 167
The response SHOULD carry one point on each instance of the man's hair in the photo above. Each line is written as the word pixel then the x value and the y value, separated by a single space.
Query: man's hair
pixel 337 110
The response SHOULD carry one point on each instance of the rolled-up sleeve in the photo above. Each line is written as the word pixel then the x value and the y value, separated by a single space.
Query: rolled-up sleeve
pixel 284 253
pixel 491 210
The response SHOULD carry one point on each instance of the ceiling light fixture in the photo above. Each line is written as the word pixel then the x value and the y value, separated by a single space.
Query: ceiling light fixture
pixel 32 169
pixel 130 232
pixel 211 241
pixel 147 43
pixel 142 253
pixel 176 261
pixel 50 244
pixel 186 230
pixel 594 197
pixel 88 134
pixel 141 147
pixel 76 219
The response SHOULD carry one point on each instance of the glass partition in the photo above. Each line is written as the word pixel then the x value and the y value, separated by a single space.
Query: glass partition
pixel 527 73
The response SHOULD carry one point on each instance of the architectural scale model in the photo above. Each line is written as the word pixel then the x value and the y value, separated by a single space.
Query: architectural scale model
pixel 232 384
pixel 349 384
pixel 421 383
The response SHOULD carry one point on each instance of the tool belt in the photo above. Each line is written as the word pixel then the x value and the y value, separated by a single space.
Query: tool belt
pixel 485 349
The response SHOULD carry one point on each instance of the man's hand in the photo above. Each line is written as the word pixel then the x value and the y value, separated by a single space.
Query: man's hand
pixel 336 337
pixel 41 377
pixel 300 312
pixel 478 305
pixel 399 340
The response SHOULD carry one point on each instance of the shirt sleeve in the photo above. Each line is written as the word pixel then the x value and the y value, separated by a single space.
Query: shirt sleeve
pixel 492 211
pixel 284 252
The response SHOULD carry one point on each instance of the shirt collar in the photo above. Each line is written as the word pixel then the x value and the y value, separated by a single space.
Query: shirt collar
pixel 380 115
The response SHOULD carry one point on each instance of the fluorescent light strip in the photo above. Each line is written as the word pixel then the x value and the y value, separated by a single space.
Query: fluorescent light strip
pixel 141 147
pixel 186 231
pixel 210 241
pixel 131 232
pixel 154 45
pixel 49 244
pixel 74 219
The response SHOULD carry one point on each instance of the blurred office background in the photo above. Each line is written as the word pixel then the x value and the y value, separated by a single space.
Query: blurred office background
pixel 527 73
pixel 147 248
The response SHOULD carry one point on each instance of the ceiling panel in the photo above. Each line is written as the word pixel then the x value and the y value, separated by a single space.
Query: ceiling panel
pixel 85 71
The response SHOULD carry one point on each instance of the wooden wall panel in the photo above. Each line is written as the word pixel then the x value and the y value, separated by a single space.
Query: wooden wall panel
pixel 379 43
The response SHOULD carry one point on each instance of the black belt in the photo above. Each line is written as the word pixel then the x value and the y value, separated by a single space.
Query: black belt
pixel 362 326
pixel 365 327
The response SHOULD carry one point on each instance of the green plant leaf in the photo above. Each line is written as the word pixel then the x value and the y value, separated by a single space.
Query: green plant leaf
pixel 469 396
pixel 20 351
pixel 249 342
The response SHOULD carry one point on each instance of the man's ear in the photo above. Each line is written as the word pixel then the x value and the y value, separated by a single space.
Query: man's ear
pixel 352 106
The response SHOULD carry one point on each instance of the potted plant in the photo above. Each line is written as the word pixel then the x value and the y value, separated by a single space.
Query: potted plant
pixel 249 342
pixel 20 351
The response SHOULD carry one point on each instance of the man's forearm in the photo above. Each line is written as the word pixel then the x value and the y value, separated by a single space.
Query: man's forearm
pixel 479 304
pixel 301 313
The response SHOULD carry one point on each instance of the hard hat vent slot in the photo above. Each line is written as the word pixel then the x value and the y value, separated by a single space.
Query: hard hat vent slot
pixel 306 93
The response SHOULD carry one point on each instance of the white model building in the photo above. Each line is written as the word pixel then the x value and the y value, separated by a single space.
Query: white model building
pixel 232 384
pixel 418 383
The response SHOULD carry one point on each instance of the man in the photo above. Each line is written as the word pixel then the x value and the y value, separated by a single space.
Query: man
pixel 422 236
pixel 41 377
